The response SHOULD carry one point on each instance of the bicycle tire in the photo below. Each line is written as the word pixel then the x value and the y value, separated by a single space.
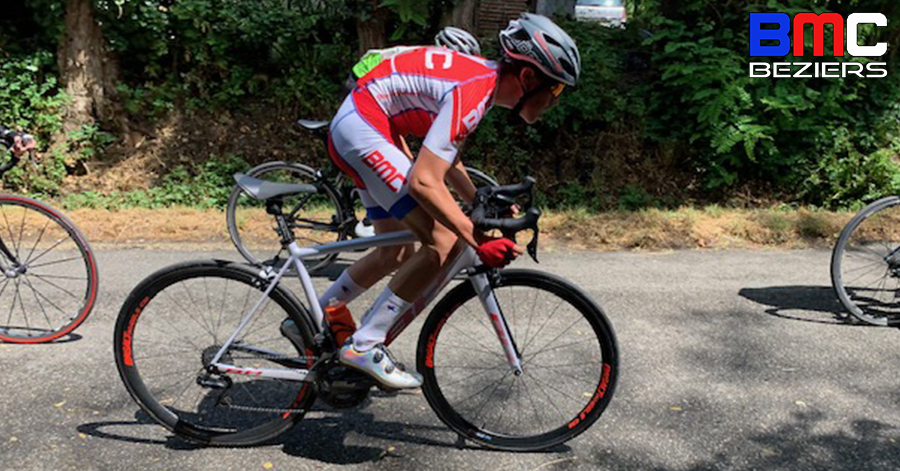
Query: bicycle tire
pixel 430 349
pixel 481 179
pixel 845 258
pixel 140 320
pixel 301 174
pixel 62 272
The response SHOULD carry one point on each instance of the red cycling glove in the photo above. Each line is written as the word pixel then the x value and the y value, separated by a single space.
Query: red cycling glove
pixel 496 253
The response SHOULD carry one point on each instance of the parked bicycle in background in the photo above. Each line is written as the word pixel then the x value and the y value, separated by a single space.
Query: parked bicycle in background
pixel 49 282
pixel 329 211
pixel 865 264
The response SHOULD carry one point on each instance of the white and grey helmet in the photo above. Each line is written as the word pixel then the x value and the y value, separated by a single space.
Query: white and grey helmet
pixel 538 40
pixel 459 40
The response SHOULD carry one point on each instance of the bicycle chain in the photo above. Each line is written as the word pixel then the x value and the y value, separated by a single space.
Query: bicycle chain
pixel 265 409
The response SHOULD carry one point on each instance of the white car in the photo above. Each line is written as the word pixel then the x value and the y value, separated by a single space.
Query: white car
pixel 611 12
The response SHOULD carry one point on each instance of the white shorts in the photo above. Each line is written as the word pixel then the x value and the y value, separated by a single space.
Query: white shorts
pixel 366 147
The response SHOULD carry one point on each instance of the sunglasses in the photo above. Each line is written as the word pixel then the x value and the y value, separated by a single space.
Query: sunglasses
pixel 557 89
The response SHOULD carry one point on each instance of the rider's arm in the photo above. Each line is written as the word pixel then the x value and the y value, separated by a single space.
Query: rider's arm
pixel 405 148
pixel 461 182
pixel 426 185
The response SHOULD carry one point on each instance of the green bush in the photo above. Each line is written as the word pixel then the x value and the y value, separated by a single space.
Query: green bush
pixel 665 112
pixel 214 53
pixel 205 185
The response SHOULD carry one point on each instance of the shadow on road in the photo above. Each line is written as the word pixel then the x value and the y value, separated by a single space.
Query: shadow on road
pixel 333 271
pixel 325 435
pixel 796 444
pixel 801 303
pixel 140 424
pixel 72 337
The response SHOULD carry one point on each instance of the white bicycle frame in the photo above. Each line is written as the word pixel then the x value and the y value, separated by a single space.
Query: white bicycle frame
pixel 464 262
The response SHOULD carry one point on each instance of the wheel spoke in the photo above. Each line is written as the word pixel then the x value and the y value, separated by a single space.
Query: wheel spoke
pixel 55 262
pixel 40 277
pixel 38 241
pixel 38 300
pixel 45 252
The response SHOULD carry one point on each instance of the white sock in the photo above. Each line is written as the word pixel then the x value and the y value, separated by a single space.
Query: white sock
pixel 343 291
pixel 376 323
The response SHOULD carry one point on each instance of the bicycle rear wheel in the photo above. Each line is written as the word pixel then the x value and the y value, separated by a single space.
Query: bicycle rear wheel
pixel 171 327
pixel 865 263
pixel 315 219
pixel 480 179
pixel 568 353
pixel 49 280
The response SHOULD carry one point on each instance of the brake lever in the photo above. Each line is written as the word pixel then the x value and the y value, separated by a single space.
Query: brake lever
pixel 533 248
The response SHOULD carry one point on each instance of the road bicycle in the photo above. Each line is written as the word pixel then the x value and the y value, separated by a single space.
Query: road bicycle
pixel 49 282
pixel 329 214
pixel 223 353
pixel 865 263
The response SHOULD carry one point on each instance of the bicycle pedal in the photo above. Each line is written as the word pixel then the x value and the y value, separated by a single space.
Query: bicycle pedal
pixel 207 381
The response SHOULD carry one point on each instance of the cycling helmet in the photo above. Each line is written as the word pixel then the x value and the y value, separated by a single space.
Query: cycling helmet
pixel 537 40
pixel 459 40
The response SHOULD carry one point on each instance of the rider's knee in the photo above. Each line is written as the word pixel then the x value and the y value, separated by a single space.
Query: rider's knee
pixel 394 256
pixel 441 244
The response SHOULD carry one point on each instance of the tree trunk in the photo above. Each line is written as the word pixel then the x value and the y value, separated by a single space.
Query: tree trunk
pixel 371 30
pixel 88 71
pixel 463 15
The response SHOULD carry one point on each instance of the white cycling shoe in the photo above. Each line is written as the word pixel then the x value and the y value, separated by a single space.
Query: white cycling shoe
pixel 380 365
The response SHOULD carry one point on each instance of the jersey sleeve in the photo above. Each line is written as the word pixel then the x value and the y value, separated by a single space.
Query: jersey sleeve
pixel 461 110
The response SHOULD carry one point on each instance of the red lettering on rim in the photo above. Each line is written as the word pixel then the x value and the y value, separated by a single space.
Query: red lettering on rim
pixel 129 332
pixel 598 394
pixel 432 339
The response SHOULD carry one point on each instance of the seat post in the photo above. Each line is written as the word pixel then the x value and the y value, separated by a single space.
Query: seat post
pixel 274 207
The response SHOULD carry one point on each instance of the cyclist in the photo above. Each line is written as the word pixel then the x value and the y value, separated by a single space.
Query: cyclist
pixel 21 143
pixel 440 95
pixel 450 37
pixel 459 40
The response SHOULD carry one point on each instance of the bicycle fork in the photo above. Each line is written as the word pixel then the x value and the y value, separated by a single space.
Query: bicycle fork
pixel 482 286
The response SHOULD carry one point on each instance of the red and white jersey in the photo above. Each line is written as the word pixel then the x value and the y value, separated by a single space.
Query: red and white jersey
pixel 429 92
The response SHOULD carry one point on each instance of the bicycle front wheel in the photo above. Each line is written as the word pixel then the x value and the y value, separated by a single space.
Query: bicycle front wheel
pixel 49 276
pixel 568 354
pixel 314 219
pixel 865 263
pixel 173 325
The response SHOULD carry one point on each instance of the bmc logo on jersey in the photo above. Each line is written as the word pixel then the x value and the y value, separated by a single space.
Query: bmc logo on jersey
pixel 385 171
pixel 474 117
pixel 759 35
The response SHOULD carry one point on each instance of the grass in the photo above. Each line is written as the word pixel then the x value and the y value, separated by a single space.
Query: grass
pixel 686 228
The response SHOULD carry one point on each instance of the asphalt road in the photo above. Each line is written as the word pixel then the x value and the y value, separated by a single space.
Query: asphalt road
pixel 729 360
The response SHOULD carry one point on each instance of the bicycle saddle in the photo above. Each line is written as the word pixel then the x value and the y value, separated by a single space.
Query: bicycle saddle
pixel 264 190
pixel 312 125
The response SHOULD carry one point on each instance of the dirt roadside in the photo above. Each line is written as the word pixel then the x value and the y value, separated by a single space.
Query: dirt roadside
pixel 645 230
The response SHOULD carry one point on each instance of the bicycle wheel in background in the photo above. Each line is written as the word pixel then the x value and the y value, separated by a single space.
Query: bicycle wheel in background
pixel 314 218
pixel 49 285
pixel 569 362
pixel 865 263
pixel 174 323
pixel 480 178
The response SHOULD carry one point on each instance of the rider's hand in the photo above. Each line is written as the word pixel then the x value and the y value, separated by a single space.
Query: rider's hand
pixel 497 253
pixel 23 144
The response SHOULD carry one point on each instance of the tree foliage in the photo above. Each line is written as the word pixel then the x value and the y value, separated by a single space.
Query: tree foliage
pixel 665 113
